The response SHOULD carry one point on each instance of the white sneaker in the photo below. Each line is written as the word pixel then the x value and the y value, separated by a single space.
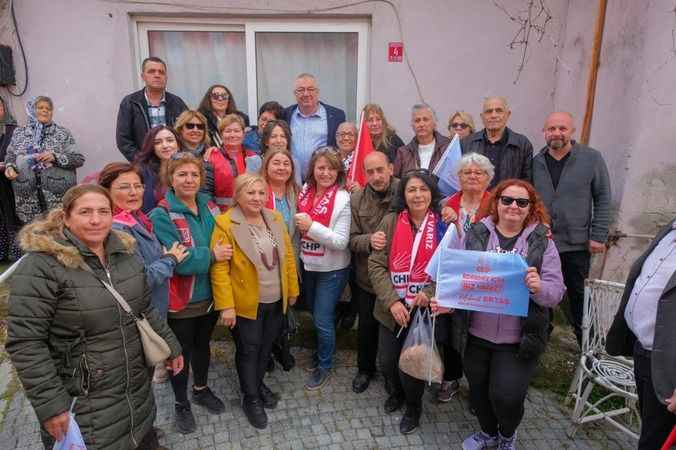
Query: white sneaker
pixel 479 441
pixel 506 443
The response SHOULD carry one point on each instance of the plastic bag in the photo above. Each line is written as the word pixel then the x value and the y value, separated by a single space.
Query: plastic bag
pixel 419 356
pixel 73 439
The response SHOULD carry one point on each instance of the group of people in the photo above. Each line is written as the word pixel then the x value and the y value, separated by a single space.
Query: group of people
pixel 210 220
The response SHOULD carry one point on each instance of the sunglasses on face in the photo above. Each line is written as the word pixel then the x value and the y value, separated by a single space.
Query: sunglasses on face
pixel 216 96
pixel 192 126
pixel 462 126
pixel 520 202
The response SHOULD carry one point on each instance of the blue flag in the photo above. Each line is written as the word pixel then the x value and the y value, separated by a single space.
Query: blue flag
pixel 445 168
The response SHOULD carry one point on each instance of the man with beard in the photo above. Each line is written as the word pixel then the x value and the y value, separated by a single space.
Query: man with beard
pixel 573 181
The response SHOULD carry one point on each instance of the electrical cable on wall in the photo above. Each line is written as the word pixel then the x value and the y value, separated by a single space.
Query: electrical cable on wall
pixel 295 11
pixel 23 53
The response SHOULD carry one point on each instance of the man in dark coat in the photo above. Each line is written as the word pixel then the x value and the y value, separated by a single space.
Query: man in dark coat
pixel 644 328
pixel 510 153
pixel 573 181
pixel 142 110
pixel 313 123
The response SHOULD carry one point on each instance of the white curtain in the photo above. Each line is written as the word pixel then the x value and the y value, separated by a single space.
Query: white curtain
pixel 330 57
pixel 198 59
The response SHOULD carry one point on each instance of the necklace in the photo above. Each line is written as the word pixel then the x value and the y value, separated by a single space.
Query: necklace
pixel 257 233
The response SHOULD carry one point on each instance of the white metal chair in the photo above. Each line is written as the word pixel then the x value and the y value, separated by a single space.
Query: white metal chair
pixel 613 376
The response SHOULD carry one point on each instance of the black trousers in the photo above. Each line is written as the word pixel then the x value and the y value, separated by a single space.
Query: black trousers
pixel 575 268
pixel 194 335
pixel 498 383
pixel 368 331
pixel 451 358
pixel 397 382
pixel 253 341
pixel 656 421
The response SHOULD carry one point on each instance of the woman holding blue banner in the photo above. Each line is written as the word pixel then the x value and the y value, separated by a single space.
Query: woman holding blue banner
pixel 501 351
pixel 397 273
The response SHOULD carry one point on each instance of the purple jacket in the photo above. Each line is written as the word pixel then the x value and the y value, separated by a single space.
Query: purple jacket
pixel 504 329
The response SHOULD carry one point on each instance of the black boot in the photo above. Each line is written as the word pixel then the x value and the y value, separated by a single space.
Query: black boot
pixel 268 397
pixel 410 420
pixel 255 413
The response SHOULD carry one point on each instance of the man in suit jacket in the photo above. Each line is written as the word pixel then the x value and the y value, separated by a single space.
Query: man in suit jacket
pixel 644 328
pixel 313 123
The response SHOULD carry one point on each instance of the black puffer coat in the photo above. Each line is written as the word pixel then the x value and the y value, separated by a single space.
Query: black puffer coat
pixel 68 337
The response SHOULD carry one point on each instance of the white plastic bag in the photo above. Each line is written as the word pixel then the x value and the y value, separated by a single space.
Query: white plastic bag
pixel 419 356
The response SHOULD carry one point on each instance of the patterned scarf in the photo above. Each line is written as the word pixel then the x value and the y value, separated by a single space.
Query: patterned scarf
pixel 37 130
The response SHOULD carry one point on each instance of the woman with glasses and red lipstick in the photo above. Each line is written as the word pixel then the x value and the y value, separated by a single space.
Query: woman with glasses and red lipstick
pixel 217 103
pixel 460 123
pixel 500 352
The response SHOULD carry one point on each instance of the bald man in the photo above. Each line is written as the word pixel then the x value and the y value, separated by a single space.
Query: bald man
pixel 510 153
pixel 573 181
pixel 369 205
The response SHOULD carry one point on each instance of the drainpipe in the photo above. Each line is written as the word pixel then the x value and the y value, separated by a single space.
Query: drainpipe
pixel 593 72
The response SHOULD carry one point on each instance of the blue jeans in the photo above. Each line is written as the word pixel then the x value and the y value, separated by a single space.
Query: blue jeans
pixel 322 290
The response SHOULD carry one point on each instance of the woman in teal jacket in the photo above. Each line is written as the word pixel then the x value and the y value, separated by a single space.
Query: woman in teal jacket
pixel 187 217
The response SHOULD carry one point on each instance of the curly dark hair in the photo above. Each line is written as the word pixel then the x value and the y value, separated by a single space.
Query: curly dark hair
pixel 537 212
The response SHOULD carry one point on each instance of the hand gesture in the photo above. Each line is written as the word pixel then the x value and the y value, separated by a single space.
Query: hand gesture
pixel 400 313
pixel 57 426
pixel 222 252
pixel 378 240
pixel 352 186
pixel 11 174
pixel 448 215
pixel 596 247
pixel 228 317
pixel 533 280
pixel 422 300
pixel 177 250
pixel 174 365
pixel 303 222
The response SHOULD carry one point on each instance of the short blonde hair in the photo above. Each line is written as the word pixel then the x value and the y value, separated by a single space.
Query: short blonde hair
pixel 466 117
pixel 185 117
pixel 244 181
pixel 228 120
pixel 181 159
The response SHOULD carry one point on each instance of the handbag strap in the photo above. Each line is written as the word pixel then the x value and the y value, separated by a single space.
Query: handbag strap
pixel 116 295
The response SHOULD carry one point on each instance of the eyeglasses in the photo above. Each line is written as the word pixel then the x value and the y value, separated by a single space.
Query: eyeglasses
pixel 520 202
pixel 129 187
pixel 460 125
pixel 192 126
pixel 217 96
pixel 346 134
pixel 301 91
pixel 476 173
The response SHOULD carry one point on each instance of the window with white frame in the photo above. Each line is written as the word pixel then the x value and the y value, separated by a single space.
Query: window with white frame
pixel 258 59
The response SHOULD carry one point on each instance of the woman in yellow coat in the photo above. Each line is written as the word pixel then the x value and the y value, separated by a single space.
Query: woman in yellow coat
pixel 253 289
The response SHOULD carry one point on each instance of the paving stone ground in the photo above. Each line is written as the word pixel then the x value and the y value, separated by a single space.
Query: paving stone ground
pixel 333 418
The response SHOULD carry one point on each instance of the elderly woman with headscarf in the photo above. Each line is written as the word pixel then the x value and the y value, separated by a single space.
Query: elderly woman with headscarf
pixel 8 220
pixel 41 161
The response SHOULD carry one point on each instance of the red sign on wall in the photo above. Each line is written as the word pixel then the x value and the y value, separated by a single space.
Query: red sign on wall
pixel 395 52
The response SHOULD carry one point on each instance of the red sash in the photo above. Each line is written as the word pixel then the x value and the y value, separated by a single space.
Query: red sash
pixel 321 212
pixel 181 287
pixel 410 254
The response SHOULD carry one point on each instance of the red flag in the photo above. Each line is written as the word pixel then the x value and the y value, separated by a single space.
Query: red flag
pixel 364 147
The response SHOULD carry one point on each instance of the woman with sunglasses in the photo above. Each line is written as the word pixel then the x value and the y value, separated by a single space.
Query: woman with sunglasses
pixel 460 123
pixel 217 103
pixel 159 145
pixel 500 352
pixel 397 273
pixel 191 127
